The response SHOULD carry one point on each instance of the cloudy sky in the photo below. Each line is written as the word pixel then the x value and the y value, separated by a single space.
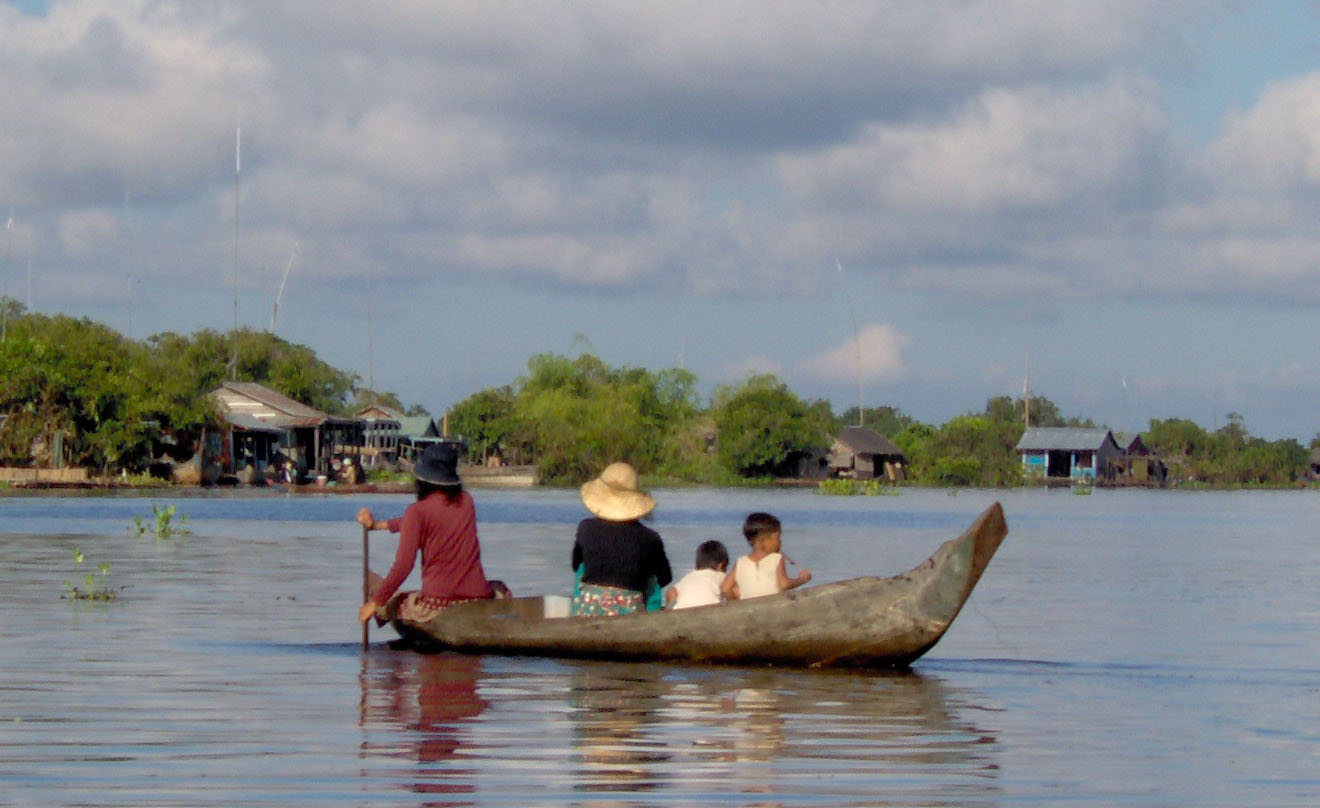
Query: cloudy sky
pixel 1119 199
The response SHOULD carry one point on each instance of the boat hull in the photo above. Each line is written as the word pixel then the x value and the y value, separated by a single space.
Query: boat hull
pixel 861 622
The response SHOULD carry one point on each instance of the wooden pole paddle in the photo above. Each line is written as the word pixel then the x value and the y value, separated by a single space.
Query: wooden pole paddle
pixel 366 586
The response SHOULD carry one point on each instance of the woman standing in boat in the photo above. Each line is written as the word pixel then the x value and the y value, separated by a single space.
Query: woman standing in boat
pixel 442 525
pixel 618 553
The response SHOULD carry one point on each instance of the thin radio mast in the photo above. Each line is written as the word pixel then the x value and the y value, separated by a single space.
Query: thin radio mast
pixel 1026 394
pixel 4 289
pixel 128 257
pixel 238 170
pixel 682 339
pixel 275 312
pixel 371 342
pixel 857 344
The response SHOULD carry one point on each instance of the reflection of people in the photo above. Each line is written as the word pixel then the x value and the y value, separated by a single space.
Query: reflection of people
pixel 701 586
pixel 758 736
pixel 617 552
pixel 427 702
pixel 614 707
pixel 442 526
pixel 758 714
pixel 760 572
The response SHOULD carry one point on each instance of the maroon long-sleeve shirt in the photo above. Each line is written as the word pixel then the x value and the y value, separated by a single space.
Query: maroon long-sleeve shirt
pixel 446 534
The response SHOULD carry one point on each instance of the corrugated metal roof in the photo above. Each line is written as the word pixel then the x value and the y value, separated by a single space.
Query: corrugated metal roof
pixel 1126 440
pixel 418 426
pixel 411 425
pixel 1064 438
pixel 269 407
pixel 250 423
pixel 388 412
pixel 867 441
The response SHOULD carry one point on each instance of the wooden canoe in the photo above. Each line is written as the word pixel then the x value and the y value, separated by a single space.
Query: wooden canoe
pixel 861 622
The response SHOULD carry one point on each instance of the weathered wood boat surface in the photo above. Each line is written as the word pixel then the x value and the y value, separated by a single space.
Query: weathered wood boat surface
pixel 861 622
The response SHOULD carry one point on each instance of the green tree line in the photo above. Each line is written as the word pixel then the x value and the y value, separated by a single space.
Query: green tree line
pixel 110 396
pixel 571 416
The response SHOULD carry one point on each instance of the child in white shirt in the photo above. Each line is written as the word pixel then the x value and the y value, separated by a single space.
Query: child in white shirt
pixel 760 572
pixel 701 586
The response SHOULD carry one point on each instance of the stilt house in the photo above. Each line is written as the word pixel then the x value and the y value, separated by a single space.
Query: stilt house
pixel 273 424
pixel 864 454
pixel 1068 453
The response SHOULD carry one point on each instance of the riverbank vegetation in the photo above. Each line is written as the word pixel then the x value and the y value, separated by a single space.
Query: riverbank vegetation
pixel 570 416
pixel 107 399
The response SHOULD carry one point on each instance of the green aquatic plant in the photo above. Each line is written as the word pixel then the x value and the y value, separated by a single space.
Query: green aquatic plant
pixel 845 487
pixel 141 480
pixel 90 590
pixel 164 523
pixel 836 487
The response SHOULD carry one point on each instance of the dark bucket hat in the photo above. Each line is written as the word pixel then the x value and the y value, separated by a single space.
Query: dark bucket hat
pixel 438 465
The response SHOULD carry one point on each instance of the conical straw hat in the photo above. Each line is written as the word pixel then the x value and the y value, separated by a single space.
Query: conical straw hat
pixel 615 495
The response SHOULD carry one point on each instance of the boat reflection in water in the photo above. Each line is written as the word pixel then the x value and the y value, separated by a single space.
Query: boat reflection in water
pixel 616 708
pixel 424 707
pixel 771 733
pixel 584 733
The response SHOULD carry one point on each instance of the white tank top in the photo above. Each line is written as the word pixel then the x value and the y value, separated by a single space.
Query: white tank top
pixel 757 578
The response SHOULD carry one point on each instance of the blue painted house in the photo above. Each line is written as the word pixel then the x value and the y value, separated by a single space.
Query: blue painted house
pixel 1068 453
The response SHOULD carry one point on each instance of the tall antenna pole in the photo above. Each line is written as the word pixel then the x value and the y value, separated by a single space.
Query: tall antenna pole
pixel 857 344
pixel 238 170
pixel 371 344
pixel 1026 394
pixel 128 258
pixel 682 339
pixel 275 311
pixel 29 272
pixel 4 289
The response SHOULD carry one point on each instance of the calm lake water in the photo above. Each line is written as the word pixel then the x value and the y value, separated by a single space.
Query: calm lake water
pixel 1141 648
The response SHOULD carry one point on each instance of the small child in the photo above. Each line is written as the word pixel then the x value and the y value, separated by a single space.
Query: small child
pixel 701 586
pixel 760 572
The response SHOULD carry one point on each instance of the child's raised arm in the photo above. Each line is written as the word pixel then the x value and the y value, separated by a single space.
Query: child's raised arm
pixel 786 583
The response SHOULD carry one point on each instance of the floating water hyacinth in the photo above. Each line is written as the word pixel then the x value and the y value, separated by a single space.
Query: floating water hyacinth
pixel 90 589
pixel 846 487
pixel 164 527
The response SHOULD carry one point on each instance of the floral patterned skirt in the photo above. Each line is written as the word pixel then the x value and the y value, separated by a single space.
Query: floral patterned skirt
pixel 417 609
pixel 593 600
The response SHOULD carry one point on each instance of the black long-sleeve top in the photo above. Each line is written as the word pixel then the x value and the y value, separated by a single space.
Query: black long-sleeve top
pixel 622 554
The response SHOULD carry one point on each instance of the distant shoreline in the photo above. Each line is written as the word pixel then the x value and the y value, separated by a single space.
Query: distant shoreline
pixel 472 476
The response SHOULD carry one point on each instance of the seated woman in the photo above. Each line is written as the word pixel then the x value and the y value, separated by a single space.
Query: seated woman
pixel 617 553
pixel 442 525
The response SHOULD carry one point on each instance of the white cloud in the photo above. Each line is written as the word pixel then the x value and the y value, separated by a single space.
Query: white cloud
pixel 880 358
pixel 1006 150
pixel 621 141
pixel 1275 145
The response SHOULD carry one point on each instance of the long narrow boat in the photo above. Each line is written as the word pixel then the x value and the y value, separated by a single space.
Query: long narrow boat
pixel 861 622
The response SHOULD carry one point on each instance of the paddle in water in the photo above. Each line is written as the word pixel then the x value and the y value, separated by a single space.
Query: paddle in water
pixel 366 584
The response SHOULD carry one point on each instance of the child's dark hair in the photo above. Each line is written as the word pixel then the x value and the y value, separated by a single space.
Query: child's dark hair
pixel 711 555
pixel 758 524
